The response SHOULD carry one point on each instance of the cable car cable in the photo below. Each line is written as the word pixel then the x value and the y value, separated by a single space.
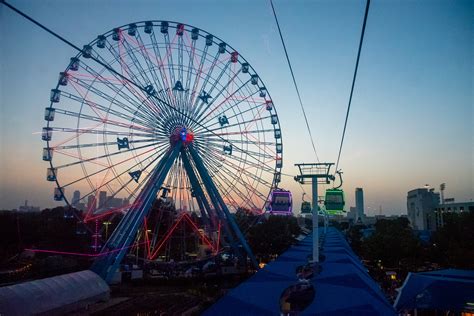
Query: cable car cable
pixel 353 82
pixel 294 81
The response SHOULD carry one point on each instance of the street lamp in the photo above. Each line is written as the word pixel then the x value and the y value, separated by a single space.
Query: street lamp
pixel 106 223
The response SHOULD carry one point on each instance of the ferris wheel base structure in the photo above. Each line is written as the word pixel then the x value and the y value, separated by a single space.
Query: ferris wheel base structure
pixel 123 236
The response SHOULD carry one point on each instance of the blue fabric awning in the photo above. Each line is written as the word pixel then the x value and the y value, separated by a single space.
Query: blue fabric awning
pixel 448 289
pixel 342 287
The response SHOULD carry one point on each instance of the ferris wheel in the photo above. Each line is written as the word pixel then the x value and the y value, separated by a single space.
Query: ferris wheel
pixel 160 107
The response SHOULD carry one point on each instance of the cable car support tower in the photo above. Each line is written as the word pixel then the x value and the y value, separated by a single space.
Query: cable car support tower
pixel 316 173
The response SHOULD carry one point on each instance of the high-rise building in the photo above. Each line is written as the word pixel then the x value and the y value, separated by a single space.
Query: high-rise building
pixel 421 205
pixel 76 196
pixel 359 199
pixel 91 203
pixel 102 199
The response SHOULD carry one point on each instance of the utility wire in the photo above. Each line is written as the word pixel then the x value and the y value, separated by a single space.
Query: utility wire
pixel 123 77
pixel 353 83
pixel 294 81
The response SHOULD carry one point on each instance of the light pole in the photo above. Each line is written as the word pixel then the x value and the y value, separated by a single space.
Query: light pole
pixel 106 224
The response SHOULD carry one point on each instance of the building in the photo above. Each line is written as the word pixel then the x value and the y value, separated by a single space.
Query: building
pixel 114 203
pixel 91 203
pixel 102 199
pixel 352 214
pixel 76 196
pixel 458 207
pixel 421 205
pixel 359 199
pixel 27 208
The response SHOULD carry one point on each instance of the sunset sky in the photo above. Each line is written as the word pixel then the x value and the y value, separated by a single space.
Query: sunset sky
pixel 412 111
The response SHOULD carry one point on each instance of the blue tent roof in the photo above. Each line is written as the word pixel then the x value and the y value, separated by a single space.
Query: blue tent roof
pixel 448 289
pixel 342 286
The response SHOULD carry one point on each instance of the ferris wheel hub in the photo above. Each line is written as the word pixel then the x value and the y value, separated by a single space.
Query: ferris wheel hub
pixel 182 134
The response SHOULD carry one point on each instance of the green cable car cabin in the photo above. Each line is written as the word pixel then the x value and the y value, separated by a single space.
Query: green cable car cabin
pixel 334 201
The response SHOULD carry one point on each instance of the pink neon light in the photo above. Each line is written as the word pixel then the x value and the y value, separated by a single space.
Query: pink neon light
pixel 203 237
pixel 168 235
pixel 78 253
pixel 218 237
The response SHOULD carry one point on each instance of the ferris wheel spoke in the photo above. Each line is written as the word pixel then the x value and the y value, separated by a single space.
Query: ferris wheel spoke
pixel 140 185
pixel 228 189
pixel 197 78
pixel 128 181
pixel 114 143
pixel 99 132
pixel 92 159
pixel 166 91
pixel 104 121
pixel 239 124
pixel 147 82
pixel 146 119
pixel 227 160
pixel 264 148
pixel 191 59
pixel 138 116
pixel 169 55
pixel 137 93
pixel 239 133
pixel 257 165
pixel 135 61
pixel 203 105
pixel 220 93
pixel 225 88
pixel 145 168
pixel 160 154
pixel 231 107
pixel 219 145
pixel 180 60
pixel 201 93
pixel 160 84
pixel 254 154
pixel 148 59
pixel 118 90
pixel 245 142
pixel 224 176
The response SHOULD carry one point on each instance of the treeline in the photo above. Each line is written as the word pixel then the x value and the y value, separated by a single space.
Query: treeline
pixel 270 236
pixel 395 245
pixel 57 229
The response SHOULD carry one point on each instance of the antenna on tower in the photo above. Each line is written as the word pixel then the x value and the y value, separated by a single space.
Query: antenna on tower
pixel 442 186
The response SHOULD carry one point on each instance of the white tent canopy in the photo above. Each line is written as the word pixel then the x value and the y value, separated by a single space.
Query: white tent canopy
pixel 58 294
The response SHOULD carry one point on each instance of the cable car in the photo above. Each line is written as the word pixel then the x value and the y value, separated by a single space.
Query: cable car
pixel 334 201
pixel 281 202
pixel 305 207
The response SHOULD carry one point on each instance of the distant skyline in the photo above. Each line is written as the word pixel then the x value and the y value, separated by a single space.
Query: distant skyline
pixel 412 112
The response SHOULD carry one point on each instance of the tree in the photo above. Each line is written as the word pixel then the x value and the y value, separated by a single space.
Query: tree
pixel 273 236
pixel 393 242
pixel 453 244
